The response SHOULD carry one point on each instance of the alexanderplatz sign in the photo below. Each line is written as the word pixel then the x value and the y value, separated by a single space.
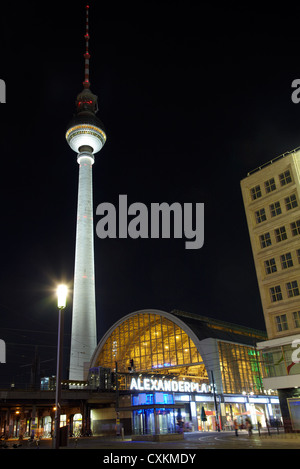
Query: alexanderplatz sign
pixel 167 385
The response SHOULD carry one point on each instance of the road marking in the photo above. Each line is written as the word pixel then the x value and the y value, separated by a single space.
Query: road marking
pixel 231 438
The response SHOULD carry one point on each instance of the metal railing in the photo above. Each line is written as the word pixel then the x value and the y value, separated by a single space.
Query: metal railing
pixel 273 160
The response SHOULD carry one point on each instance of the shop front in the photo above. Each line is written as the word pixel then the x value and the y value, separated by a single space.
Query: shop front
pixel 162 411
pixel 184 371
pixel 155 413
pixel 261 410
pixel 161 406
pixel 154 421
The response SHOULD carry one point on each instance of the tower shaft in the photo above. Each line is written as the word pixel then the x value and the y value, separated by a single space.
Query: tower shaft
pixel 84 334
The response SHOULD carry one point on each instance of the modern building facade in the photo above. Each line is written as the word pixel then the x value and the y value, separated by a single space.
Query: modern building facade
pixel 271 196
pixel 170 366
pixel 86 136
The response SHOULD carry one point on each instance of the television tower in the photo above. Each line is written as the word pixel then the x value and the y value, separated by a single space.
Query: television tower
pixel 86 136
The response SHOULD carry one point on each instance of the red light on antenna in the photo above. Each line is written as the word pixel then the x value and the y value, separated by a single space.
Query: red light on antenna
pixel 87 6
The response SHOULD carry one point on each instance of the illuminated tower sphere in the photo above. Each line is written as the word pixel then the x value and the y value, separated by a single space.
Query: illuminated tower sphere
pixel 86 136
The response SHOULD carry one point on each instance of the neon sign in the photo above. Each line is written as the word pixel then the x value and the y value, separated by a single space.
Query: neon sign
pixel 168 385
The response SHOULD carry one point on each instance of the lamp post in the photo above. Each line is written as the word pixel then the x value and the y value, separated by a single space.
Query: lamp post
pixel 215 401
pixel 61 304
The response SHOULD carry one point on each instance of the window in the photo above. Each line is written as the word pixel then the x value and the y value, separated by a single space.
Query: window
pixel 152 341
pixel 298 255
pixel 240 368
pixel 295 227
pixel 280 234
pixel 286 260
pixel 276 294
pixel 292 288
pixel 281 323
pixel 255 192
pixel 285 178
pixel 270 185
pixel 270 266
pixel 265 240
pixel 260 215
pixel 149 398
pixel 296 318
pixel 275 209
pixel 291 202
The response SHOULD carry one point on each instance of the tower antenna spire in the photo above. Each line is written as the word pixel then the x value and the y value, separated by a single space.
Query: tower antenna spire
pixel 87 56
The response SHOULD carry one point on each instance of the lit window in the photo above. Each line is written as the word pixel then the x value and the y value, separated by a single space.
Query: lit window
pixel 296 318
pixel 255 192
pixel 149 340
pixel 260 215
pixel 265 240
pixel 275 293
pixel 285 178
pixel 280 234
pixel 292 288
pixel 275 209
pixel 286 260
pixel 270 185
pixel 295 227
pixel 291 202
pixel 270 266
pixel 281 323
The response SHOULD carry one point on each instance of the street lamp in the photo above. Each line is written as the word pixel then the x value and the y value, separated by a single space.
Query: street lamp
pixel 62 291
pixel 215 400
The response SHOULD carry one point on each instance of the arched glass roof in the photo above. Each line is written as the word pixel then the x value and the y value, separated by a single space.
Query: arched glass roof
pixel 155 341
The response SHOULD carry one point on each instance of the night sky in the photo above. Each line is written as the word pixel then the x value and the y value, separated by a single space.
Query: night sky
pixel 192 98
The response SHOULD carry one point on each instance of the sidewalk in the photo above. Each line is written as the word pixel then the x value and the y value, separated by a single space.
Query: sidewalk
pixel 282 434
pixel 110 441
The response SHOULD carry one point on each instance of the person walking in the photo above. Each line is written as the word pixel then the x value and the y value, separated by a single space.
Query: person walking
pixel 236 427
pixel 249 426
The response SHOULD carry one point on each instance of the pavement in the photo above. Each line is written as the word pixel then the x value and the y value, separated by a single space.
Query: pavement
pixel 195 441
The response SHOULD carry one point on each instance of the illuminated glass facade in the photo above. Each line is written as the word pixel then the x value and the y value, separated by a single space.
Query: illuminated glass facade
pixel 146 342
pixel 278 361
pixel 176 364
pixel 240 368
pixel 151 342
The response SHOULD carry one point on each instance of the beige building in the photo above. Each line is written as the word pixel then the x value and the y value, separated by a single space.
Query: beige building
pixel 271 195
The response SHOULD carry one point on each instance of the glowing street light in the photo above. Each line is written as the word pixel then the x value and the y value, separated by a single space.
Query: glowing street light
pixel 62 291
